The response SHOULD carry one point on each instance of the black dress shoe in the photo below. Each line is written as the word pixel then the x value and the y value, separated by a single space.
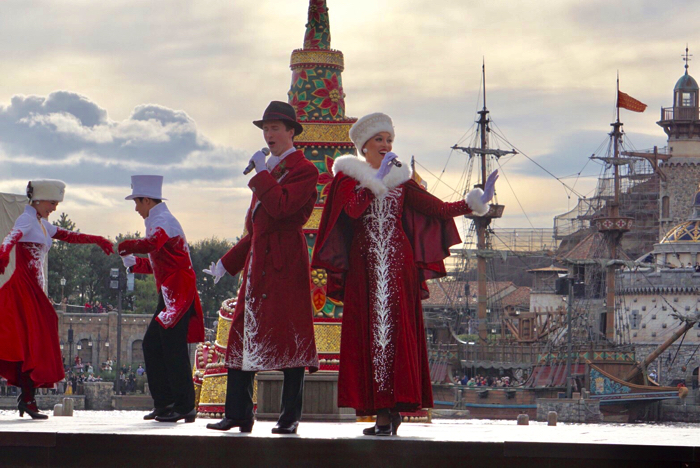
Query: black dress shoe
pixel 244 425
pixel 378 430
pixel 285 427
pixel 174 416
pixel 158 412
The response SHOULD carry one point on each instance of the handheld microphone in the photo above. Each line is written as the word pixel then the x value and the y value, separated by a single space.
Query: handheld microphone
pixel 395 162
pixel 251 164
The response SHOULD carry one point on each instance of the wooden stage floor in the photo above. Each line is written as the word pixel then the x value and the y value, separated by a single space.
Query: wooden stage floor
pixel 122 438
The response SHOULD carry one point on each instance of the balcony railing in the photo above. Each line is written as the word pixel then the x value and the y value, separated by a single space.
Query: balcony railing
pixel 679 113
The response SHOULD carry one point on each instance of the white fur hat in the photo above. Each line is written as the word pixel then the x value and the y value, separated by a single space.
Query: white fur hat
pixel 149 186
pixel 46 189
pixel 368 126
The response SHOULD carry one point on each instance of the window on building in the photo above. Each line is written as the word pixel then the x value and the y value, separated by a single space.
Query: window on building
pixel 634 319
pixel 687 100
pixel 665 206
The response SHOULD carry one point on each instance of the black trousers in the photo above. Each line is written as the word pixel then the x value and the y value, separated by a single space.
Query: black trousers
pixel 239 395
pixel 168 366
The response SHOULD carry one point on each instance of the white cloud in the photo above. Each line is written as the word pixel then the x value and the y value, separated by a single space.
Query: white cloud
pixel 551 68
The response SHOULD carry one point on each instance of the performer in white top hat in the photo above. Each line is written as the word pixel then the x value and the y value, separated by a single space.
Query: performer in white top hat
pixel 178 319
pixel 30 355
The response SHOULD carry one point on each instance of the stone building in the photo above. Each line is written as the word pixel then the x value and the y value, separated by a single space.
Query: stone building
pixel 651 296
pixel 681 122
pixel 94 337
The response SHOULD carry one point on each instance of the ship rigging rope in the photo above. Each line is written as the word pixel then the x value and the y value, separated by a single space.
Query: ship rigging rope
pixel 693 354
pixel 679 348
pixel 438 179
pixel 566 187
pixel 514 194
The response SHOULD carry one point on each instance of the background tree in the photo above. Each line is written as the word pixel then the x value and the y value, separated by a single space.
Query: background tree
pixel 145 296
pixel 212 295
pixel 86 270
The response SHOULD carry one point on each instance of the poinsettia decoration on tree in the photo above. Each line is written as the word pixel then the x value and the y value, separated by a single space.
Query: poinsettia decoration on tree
pixel 299 104
pixel 329 94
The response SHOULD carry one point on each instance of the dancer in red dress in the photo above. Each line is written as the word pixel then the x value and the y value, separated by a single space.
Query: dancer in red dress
pixel 381 236
pixel 30 356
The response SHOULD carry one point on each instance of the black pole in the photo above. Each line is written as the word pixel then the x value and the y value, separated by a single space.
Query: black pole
pixel 119 338
pixel 568 337
pixel 70 345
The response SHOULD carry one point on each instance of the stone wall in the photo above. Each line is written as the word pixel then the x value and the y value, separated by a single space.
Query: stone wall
pixel 681 410
pixel 88 327
pixel 681 184
pixel 98 395
pixel 577 411
pixel 44 402
pixel 669 370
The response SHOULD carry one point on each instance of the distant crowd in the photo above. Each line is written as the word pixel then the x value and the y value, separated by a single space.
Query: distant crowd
pixel 88 308
pixel 486 381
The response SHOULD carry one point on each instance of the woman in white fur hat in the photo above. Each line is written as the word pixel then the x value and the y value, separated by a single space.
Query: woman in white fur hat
pixel 30 355
pixel 381 236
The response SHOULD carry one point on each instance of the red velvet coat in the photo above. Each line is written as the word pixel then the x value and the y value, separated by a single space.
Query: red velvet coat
pixel 169 261
pixel 272 325
pixel 379 241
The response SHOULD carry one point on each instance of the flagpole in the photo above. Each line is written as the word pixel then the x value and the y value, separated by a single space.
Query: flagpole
pixel 617 97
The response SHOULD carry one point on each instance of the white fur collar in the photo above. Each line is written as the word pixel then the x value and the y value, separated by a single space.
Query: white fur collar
pixel 361 171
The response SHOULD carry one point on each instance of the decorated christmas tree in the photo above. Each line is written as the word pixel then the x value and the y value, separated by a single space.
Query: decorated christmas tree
pixel 317 95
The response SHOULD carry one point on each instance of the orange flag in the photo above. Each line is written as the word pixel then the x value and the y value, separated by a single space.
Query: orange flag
pixel 628 102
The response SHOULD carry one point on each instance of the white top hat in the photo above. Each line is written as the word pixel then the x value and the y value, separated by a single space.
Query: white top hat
pixel 46 189
pixel 150 186
pixel 368 126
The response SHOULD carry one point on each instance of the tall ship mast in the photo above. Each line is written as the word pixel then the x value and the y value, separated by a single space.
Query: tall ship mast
pixel 611 224
pixel 481 223
pixel 590 352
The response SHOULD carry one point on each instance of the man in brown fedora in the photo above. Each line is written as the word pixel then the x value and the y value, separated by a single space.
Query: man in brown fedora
pixel 272 327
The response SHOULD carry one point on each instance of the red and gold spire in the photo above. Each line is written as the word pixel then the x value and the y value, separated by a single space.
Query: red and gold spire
pixel 317 95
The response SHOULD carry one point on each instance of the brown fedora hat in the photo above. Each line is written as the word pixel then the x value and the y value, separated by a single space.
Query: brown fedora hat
pixel 278 110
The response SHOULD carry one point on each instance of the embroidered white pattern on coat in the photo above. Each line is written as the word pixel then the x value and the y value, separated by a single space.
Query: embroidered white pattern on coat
pixel 168 315
pixel 38 254
pixel 381 223
pixel 253 350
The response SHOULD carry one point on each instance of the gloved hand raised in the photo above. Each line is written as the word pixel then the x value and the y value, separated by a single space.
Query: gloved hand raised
pixel 386 165
pixel 489 187
pixel 128 261
pixel 216 270
pixel 259 160
pixel 105 245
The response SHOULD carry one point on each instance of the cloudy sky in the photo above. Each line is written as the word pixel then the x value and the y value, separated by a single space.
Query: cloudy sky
pixel 92 92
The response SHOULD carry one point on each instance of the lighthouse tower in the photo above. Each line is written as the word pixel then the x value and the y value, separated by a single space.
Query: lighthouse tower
pixel 681 122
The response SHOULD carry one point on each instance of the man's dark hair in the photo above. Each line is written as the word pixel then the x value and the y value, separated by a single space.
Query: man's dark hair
pixel 155 200
pixel 288 126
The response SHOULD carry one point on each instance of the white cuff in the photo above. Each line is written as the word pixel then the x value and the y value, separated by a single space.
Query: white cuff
pixel 475 204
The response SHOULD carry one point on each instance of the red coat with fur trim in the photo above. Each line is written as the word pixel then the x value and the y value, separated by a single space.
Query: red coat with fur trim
pixel 272 325
pixel 379 240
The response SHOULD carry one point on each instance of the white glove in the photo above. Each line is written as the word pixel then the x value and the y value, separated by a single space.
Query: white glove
pixel 386 165
pixel 489 187
pixel 259 160
pixel 128 261
pixel 217 269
